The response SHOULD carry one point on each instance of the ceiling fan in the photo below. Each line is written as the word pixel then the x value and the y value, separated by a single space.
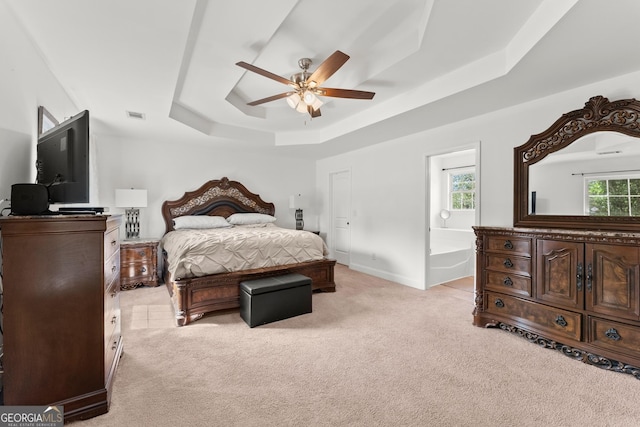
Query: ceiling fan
pixel 306 86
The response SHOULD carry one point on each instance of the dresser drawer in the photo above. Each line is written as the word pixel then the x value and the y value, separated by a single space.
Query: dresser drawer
pixel 111 308
pixel 509 245
pixel 110 350
pixel 509 264
pixel 140 271
pixel 111 243
pixel 111 311
pixel 111 269
pixel 508 283
pixel 615 336
pixel 536 317
pixel 137 254
pixel 112 324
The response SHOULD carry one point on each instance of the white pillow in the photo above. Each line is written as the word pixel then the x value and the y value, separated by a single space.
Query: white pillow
pixel 250 218
pixel 200 222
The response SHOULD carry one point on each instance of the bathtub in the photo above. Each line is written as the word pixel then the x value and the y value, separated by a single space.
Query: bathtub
pixel 452 255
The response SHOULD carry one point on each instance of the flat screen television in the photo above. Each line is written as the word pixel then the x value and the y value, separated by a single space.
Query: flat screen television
pixel 63 160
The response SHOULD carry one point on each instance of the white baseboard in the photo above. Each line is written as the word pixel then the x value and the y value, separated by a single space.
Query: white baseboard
pixel 413 283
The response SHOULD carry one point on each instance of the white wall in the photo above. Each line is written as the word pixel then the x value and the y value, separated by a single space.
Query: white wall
pixel 388 180
pixel 25 83
pixel 166 170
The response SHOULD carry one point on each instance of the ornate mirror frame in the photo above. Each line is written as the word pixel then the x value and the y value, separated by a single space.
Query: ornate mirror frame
pixel 598 115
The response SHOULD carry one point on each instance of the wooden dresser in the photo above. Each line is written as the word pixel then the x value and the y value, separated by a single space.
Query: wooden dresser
pixel 574 291
pixel 62 340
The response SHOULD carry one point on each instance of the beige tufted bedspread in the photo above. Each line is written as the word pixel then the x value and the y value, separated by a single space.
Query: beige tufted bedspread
pixel 197 253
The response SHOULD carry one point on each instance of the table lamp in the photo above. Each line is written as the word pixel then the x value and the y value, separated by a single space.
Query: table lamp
pixel 132 199
pixel 298 203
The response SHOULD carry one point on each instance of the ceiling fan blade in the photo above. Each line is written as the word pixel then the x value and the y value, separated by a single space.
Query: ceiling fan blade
pixel 271 98
pixel 265 73
pixel 328 67
pixel 313 113
pixel 344 93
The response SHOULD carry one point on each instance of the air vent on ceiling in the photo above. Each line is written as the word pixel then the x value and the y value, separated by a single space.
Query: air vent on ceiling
pixel 135 115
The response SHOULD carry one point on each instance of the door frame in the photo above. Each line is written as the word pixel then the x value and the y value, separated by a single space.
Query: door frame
pixel 331 233
pixel 427 197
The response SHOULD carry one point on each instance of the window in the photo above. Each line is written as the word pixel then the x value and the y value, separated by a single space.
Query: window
pixel 462 190
pixel 45 120
pixel 613 196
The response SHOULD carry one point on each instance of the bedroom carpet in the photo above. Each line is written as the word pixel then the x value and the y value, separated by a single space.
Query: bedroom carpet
pixel 374 353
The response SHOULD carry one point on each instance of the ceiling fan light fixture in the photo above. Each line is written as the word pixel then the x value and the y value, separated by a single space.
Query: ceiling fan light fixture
pixel 316 104
pixel 293 100
pixel 308 97
pixel 307 86
pixel 301 107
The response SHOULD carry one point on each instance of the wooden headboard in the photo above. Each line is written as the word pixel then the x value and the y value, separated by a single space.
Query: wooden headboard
pixel 220 197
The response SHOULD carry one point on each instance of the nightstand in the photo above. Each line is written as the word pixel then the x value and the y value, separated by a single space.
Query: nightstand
pixel 138 263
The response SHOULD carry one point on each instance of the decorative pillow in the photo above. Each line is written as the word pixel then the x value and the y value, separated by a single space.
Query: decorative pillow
pixel 200 222
pixel 250 218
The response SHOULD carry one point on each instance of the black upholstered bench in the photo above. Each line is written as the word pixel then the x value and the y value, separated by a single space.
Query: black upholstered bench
pixel 270 299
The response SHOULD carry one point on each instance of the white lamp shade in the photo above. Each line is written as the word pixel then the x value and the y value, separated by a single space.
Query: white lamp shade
pixel 301 107
pixel 308 97
pixel 293 100
pixel 297 202
pixel 316 104
pixel 131 198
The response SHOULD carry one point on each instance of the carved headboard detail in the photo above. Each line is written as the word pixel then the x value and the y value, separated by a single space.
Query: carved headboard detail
pixel 221 197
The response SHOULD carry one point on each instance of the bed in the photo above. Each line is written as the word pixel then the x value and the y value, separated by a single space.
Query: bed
pixel 199 293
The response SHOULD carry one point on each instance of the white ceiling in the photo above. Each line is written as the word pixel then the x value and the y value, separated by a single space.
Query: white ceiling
pixel 430 62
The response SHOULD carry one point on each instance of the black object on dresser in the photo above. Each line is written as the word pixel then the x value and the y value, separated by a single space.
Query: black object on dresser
pixel 62 341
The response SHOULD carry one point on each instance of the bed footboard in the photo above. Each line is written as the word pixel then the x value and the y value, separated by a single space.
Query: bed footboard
pixel 193 298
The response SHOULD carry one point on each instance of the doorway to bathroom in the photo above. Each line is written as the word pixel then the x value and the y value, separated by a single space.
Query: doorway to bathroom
pixel 452 201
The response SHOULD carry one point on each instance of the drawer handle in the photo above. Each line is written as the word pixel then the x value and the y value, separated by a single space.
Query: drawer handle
pixel 499 303
pixel 115 345
pixel 613 334
pixel 113 243
pixel 507 281
pixel 113 268
pixel 143 270
pixel 579 277
pixel 589 276
pixel 507 263
pixel 141 253
pixel 508 244
pixel 560 321
pixel 113 320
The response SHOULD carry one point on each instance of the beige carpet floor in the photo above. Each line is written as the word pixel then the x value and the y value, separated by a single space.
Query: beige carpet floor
pixel 374 353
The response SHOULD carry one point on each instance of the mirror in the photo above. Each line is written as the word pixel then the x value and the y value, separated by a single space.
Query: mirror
pixel 587 168
pixel 582 151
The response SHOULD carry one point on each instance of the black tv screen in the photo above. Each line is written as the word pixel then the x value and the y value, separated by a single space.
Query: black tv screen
pixel 63 160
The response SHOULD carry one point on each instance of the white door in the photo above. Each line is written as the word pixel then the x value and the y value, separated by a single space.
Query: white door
pixel 340 206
